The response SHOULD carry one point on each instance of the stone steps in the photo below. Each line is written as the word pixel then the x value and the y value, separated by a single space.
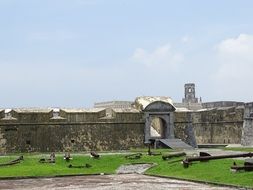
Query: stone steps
pixel 175 143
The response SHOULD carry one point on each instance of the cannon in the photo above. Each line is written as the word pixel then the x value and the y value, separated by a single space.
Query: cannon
pixel 67 157
pixel 173 155
pixel 133 156
pixel 94 154
pixel 82 166
pixel 189 160
pixel 248 166
pixel 51 159
pixel 12 162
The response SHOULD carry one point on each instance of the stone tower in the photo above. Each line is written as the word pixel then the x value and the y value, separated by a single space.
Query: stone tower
pixel 189 93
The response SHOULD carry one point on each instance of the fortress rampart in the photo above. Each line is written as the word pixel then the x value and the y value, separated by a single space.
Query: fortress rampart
pixel 71 130
pixel 120 125
pixel 46 130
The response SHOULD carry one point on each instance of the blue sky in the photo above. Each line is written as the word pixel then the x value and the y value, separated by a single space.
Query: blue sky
pixel 72 53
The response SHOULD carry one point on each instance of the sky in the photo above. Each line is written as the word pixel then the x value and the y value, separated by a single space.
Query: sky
pixel 72 53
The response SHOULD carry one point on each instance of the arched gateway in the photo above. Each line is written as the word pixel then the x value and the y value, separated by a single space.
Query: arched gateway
pixel 159 121
pixel 163 111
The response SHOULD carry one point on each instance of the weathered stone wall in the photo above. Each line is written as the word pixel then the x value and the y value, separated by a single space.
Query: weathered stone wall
pixel 71 131
pixel 216 126
pixel 106 129
pixel 184 128
pixel 73 137
pixel 2 141
pixel 189 105
pixel 247 132
pixel 220 104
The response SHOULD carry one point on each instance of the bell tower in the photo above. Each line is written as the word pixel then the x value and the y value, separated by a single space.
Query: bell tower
pixel 189 93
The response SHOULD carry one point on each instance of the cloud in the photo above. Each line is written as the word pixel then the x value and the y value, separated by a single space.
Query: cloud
pixel 240 47
pixel 162 56
pixel 233 76
pixel 235 57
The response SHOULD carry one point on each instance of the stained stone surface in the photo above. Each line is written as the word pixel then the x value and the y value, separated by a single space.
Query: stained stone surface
pixel 135 168
pixel 106 182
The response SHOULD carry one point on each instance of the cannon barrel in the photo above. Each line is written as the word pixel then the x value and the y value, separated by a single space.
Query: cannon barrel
pixel 187 161
pixel 238 168
pixel 169 156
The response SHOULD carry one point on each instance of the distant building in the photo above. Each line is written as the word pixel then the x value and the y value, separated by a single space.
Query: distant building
pixel 113 104
pixel 189 93
pixel 189 102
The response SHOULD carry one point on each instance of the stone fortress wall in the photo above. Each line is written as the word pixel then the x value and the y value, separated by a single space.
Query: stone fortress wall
pixel 70 130
pixel 219 122
pixel 46 130
pixel 247 132
pixel 216 126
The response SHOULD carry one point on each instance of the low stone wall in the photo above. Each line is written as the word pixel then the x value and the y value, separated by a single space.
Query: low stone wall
pixel 189 105
pixel 220 104
pixel 71 131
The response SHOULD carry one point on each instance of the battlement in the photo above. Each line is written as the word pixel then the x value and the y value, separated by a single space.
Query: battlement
pixel 39 116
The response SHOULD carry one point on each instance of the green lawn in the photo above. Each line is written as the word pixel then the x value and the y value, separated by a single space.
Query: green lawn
pixel 31 167
pixel 214 171
pixel 243 149
pixel 158 150
pixel 217 171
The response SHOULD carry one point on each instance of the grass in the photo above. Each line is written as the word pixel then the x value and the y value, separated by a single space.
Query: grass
pixel 243 149
pixel 217 171
pixel 213 171
pixel 31 167
pixel 145 150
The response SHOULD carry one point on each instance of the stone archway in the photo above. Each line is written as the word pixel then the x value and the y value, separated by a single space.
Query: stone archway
pixel 167 126
pixel 161 112
pixel 159 107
